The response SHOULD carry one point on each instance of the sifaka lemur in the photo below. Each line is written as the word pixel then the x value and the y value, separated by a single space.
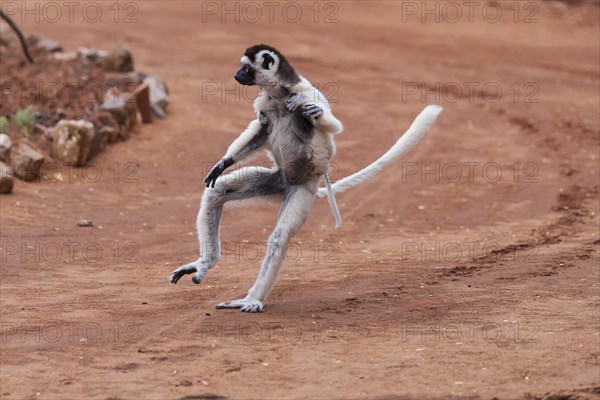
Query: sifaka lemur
pixel 296 126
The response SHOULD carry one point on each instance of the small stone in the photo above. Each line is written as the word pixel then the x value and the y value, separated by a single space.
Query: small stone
pixel 105 124
pixel 84 222
pixel 74 141
pixel 91 54
pixel 159 95
pixel 118 59
pixel 66 56
pixel 99 143
pixel 32 39
pixel 142 98
pixel 6 178
pixel 7 36
pixel 5 146
pixel 123 109
pixel 27 163
pixel 185 383
pixel 124 81
pixel 51 46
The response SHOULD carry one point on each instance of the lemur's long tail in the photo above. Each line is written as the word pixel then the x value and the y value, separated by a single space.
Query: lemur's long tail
pixel 417 130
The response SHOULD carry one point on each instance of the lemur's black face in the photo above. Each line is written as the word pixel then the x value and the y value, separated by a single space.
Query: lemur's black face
pixel 246 75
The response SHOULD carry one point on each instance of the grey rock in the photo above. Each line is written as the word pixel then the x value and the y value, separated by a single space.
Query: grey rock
pixel 142 98
pixel 51 46
pixel 124 110
pixel 5 147
pixel 7 35
pixel 84 222
pixel 118 59
pixel 73 141
pixel 159 95
pixel 6 178
pixel 105 124
pixel 27 163
pixel 91 54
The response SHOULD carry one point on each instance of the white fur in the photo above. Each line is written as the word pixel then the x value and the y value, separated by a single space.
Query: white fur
pixel 259 59
pixel 326 123
pixel 291 218
pixel 242 140
pixel 411 137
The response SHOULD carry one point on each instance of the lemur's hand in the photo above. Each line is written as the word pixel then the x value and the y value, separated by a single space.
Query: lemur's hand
pixel 293 101
pixel 311 111
pixel 263 119
pixel 217 170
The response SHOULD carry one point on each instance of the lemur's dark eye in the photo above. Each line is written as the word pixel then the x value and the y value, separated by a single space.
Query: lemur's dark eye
pixel 267 61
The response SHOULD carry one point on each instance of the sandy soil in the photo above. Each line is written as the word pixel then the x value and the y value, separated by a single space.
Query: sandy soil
pixel 437 286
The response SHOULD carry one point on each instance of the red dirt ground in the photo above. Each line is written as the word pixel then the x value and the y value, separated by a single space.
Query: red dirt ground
pixel 435 287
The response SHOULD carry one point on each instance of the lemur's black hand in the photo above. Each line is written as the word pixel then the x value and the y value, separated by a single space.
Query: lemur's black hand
pixel 217 170
pixel 311 111
pixel 293 101
pixel 263 119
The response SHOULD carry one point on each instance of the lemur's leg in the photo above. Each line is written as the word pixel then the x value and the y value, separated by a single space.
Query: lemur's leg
pixel 298 201
pixel 238 185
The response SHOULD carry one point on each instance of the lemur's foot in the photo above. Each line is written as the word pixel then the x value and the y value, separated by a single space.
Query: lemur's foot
pixel 312 111
pixel 245 305
pixel 262 118
pixel 293 101
pixel 197 268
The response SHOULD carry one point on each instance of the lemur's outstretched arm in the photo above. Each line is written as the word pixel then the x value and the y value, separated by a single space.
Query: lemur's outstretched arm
pixel 251 140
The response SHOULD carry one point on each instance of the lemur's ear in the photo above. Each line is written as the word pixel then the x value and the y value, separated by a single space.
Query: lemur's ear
pixel 267 61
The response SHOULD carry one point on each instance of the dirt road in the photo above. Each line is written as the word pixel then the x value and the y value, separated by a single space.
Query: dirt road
pixel 470 270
